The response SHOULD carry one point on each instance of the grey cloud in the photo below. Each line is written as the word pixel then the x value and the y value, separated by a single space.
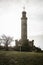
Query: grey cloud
pixel 37 17
pixel 22 0
pixel 34 2
pixel 25 1
pixel 40 17
pixel 9 0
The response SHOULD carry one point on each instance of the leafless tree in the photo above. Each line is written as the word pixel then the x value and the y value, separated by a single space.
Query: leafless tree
pixel 0 42
pixel 6 40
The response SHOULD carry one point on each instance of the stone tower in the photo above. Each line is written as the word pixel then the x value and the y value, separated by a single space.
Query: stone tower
pixel 24 42
pixel 24 26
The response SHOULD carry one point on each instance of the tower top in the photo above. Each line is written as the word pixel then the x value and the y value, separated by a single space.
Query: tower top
pixel 24 13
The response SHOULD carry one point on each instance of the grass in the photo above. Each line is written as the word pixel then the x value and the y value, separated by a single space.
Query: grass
pixel 20 58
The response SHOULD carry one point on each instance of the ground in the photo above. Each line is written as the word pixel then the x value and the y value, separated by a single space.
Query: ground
pixel 20 58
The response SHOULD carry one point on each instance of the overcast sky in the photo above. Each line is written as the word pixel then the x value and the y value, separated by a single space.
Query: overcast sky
pixel 10 17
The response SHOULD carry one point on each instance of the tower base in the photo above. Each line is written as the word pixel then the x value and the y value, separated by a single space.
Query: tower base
pixel 24 45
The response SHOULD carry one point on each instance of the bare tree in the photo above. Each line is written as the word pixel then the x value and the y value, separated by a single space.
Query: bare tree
pixel 0 42
pixel 6 40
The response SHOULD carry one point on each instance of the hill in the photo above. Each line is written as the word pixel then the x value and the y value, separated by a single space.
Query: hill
pixel 20 58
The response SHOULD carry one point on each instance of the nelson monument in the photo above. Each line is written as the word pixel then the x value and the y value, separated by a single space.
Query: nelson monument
pixel 24 44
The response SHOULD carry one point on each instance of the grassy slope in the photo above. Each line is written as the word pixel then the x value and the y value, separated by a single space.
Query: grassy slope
pixel 20 58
